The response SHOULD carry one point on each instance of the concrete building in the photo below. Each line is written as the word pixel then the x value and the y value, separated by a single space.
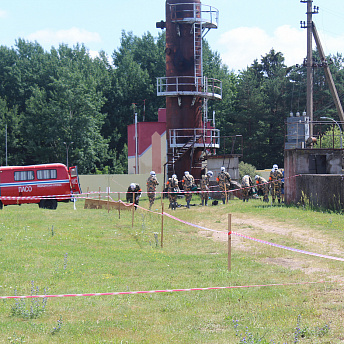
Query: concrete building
pixel 315 177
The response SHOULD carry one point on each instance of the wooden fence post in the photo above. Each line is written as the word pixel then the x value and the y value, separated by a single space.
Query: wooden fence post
pixel 108 198
pixel 162 225
pixel 133 215
pixel 229 242
pixel 119 206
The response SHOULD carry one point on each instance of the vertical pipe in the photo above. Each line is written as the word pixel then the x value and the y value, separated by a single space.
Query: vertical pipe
pixel 6 144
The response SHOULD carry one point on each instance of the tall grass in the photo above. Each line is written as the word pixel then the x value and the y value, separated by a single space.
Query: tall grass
pixel 85 251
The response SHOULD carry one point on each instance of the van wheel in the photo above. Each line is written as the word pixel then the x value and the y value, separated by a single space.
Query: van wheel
pixel 51 204
pixel 48 204
pixel 1 205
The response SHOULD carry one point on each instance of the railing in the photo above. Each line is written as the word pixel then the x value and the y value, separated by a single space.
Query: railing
pixel 326 135
pixel 189 85
pixel 231 145
pixel 208 138
pixel 194 12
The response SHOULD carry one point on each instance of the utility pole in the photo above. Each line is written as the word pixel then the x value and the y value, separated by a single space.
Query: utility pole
pixel 328 75
pixel 144 109
pixel 309 61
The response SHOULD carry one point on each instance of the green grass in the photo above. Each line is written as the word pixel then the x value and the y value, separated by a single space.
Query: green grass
pixel 85 251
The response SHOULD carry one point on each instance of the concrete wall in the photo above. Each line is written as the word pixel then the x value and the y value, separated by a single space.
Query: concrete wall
pixel 214 163
pixel 116 182
pixel 314 174
pixel 323 190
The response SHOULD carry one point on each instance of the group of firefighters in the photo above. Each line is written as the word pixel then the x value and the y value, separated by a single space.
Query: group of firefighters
pixel 263 187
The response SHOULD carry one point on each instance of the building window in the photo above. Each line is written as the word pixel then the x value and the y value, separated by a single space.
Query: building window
pixel 24 175
pixel 46 174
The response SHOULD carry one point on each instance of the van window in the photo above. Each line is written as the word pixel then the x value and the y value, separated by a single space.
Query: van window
pixel 24 175
pixel 46 174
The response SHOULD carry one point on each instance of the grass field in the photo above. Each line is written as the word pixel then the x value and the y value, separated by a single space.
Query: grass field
pixel 69 251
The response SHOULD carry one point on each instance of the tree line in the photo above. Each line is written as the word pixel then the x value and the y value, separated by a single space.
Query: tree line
pixel 62 99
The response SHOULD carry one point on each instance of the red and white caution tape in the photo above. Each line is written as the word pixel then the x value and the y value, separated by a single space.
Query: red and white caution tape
pixel 156 291
pixel 258 240
pixel 287 248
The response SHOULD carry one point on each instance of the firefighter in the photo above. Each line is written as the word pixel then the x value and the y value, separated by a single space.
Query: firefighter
pixel 133 194
pixel 188 183
pixel 224 180
pixel 246 185
pixel 173 189
pixel 262 187
pixel 205 187
pixel 275 179
pixel 152 182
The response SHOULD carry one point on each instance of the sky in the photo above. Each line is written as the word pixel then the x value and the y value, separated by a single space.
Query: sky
pixel 247 30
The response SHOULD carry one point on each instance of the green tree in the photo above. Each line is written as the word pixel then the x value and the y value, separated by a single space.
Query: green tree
pixel 331 138
pixel 261 109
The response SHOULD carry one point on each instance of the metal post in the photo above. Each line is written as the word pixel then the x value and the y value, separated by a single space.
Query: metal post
pixel 310 66
pixel 67 149
pixel 136 146
pixel 6 144
pixel 340 130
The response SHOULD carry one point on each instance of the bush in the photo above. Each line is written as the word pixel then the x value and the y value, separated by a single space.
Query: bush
pixel 248 169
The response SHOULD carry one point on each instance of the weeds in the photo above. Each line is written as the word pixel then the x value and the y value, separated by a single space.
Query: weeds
pixel 306 332
pixel 58 326
pixel 15 339
pixel 301 332
pixel 33 310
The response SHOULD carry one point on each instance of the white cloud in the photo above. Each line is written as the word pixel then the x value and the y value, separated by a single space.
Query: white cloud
pixel 241 46
pixel 3 14
pixel 70 37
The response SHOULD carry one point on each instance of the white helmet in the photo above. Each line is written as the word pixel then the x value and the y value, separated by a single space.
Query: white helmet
pixel 210 173
pixel 152 173
pixel 186 173
pixel 275 167
pixel 256 176
pixel 174 176
pixel 223 169
pixel 132 186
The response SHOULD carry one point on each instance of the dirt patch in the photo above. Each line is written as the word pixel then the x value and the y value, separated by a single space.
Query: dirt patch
pixel 313 241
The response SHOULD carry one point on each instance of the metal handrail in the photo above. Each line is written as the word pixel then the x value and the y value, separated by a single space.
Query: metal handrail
pixel 293 139
pixel 195 13
pixel 184 85
pixel 209 136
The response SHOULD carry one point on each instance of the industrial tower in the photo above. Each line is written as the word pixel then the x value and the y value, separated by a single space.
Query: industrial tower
pixel 186 89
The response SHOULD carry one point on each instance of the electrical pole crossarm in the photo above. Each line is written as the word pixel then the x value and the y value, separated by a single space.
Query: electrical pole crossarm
pixel 328 75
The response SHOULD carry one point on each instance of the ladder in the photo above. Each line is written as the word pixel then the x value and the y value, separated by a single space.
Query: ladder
pixel 198 65
pixel 181 152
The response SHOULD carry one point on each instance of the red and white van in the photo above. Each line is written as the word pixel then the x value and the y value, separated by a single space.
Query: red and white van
pixel 44 184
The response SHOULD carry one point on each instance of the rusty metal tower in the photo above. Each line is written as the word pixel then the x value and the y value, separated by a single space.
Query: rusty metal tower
pixel 186 89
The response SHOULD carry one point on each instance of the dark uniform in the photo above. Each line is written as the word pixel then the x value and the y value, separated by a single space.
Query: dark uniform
pixel 275 178
pixel 246 184
pixel 188 182
pixel 224 180
pixel 152 182
pixel 173 189
pixel 262 186
pixel 133 193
